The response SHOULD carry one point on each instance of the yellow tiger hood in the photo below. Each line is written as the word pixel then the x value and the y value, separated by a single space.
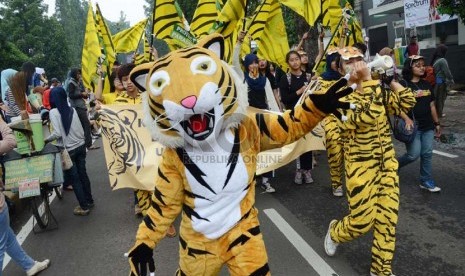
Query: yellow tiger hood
pixel 191 94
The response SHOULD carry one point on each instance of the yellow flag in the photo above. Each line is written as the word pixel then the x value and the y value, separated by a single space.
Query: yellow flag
pixel 227 23
pixel 106 44
pixel 170 25
pixel 331 14
pixel 273 44
pixel 128 40
pixel 144 57
pixel 349 28
pixel 90 51
pixel 205 16
pixel 308 9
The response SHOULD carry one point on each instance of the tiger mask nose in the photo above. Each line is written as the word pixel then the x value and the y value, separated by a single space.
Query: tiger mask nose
pixel 189 102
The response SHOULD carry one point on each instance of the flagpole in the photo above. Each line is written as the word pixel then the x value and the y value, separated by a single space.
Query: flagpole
pixel 256 14
pixel 245 14
pixel 152 35
pixel 327 46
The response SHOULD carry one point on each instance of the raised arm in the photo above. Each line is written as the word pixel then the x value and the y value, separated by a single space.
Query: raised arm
pixel 279 130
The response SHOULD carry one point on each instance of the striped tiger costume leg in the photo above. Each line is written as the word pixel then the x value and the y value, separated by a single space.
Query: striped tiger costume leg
pixel 373 203
pixel 334 150
pixel 242 249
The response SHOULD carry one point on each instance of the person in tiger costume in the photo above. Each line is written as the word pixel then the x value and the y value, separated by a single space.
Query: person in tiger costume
pixel 196 107
pixel 333 141
pixel 370 164
pixel 130 95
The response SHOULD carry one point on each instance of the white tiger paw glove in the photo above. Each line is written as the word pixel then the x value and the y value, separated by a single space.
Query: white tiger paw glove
pixel 141 258
pixel 329 102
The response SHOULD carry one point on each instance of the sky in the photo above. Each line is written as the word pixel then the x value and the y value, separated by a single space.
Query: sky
pixel 134 9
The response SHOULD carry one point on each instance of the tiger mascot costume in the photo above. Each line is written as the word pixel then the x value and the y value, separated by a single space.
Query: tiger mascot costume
pixel 196 107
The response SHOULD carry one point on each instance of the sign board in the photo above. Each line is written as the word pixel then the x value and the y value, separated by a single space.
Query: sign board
pixel 40 167
pixel 423 12
pixel 29 188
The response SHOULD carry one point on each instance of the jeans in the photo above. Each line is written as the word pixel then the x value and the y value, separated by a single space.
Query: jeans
pixel 421 147
pixel 10 245
pixel 81 182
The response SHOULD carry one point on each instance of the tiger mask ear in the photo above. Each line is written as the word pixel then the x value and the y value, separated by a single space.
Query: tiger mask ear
pixel 213 42
pixel 139 75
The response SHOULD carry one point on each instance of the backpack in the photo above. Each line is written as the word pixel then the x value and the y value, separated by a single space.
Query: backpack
pixel 430 76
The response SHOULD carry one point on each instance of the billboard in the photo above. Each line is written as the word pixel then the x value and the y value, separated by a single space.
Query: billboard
pixel 423 12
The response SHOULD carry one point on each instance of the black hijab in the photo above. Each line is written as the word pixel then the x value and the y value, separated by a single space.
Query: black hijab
pixel 59 100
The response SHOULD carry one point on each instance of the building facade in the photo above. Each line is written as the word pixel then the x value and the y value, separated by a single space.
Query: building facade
pixel 384 21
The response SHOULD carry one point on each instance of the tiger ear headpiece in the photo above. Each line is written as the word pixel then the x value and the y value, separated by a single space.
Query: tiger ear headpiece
pixel 191 94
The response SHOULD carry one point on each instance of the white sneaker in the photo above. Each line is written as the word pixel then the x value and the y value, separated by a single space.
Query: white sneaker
pixel 338 191
pixel 38 267
pixel 298 177
pixel 330 245
pixel 308 177
pixel 267 187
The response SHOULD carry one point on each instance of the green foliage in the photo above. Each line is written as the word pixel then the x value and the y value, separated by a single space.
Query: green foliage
pixel 118 26
pixel 453 7
pixel 72 15
pixel 56 58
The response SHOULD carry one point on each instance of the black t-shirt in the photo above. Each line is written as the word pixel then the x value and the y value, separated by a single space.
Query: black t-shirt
pixel 288 92
pixel 422 109
pixel 272 79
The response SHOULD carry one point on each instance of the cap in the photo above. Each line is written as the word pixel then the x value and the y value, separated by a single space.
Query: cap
pixel 349 52
pixel 332 49
pixel 415 57
pixel 249 59
pixel 54 80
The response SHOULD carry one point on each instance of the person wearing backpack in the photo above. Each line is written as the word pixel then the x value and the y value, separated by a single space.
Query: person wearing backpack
pixel 443 76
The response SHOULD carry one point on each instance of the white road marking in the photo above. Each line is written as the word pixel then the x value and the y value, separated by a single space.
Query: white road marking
pixel 25 231
pixel 445 154
pixel 320 266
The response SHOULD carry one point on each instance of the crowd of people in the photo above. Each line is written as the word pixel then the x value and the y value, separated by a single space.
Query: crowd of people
pixel 70 109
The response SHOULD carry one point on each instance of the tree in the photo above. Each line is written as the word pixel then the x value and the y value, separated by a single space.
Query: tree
pixel 57 60
pixel 23 24
pixel 453 7
pixel 72 15
pixel 118 26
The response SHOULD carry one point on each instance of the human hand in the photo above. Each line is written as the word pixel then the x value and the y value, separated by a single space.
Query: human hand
pixel 408 123
pixel 437 131
pixel 330 101
pixel 360 72
pixel 241 36
pixel 141 257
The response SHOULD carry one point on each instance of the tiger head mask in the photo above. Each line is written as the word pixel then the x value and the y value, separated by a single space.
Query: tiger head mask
pixel 191 94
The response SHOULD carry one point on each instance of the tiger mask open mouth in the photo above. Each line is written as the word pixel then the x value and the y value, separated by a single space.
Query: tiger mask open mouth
pixel 199 126
pixel 191 94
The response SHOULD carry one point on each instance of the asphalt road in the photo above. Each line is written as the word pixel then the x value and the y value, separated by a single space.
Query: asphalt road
pixel 294 220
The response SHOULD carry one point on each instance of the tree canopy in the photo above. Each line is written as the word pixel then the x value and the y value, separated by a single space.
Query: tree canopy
pixel 453 7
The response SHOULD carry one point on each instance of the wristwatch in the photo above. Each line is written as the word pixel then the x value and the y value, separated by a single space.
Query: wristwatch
pixel 437 124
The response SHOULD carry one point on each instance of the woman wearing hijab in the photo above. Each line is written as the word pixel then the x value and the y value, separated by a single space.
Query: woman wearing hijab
pixel 68 132
pixel 7 96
